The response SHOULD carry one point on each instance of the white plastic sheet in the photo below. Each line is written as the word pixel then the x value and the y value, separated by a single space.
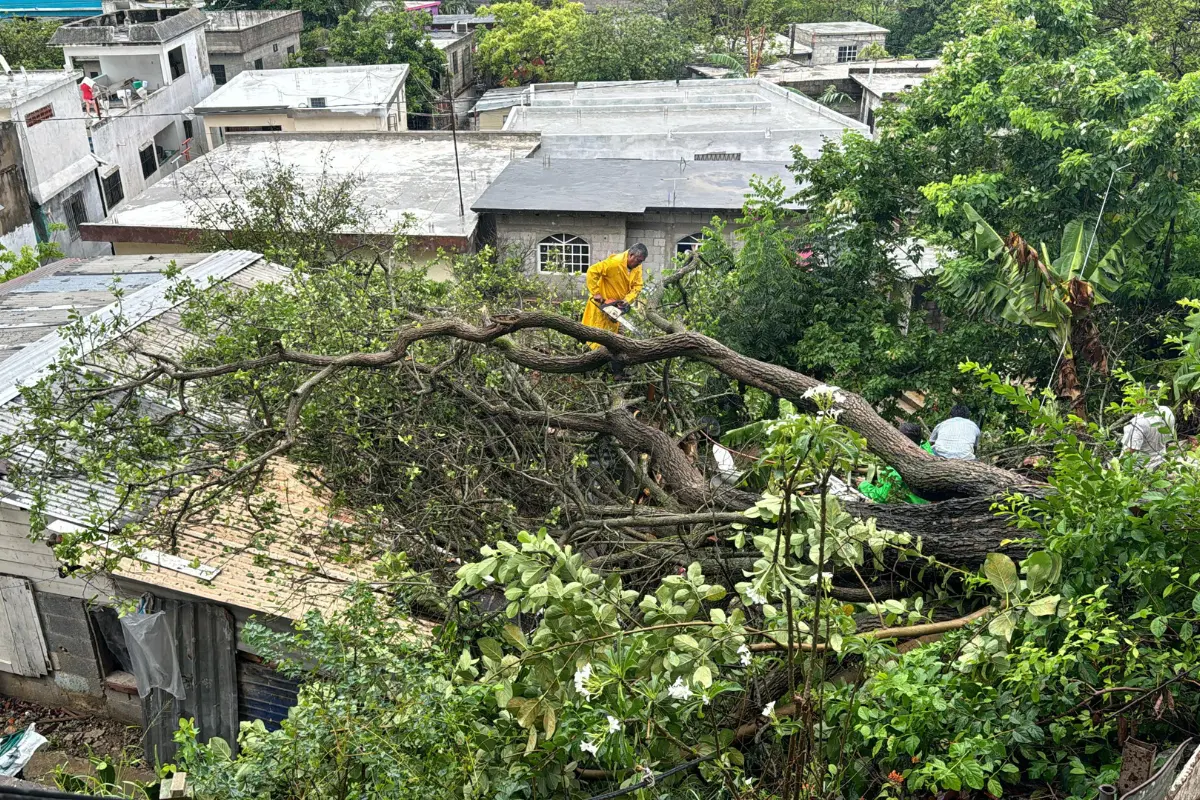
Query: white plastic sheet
pixel 14 759
pixel 152 653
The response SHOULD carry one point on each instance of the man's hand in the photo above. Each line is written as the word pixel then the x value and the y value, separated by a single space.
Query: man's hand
pixel 598 299
pixel 621 304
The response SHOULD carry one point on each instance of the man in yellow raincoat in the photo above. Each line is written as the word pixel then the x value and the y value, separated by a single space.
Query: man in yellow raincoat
pixel 616 279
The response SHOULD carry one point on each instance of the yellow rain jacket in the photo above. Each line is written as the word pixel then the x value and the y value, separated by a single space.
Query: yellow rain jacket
pixel 612 280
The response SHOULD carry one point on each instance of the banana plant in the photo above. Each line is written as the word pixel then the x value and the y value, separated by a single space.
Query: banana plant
pixel 1024 285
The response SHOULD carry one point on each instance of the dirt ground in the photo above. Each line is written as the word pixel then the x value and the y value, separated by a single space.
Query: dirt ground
pixel 73 738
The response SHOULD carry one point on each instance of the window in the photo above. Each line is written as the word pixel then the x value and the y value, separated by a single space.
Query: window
pixel 847 52
pixel 316 102
pixel 687 244
pixel 149 162
pixel 114 192
pixel 563 252
pixel 291 49
pixel 251 129
pixel 38 115
pixel 258 63
pixel 76 214
pixel 218 71
pixel 274 48
pixel 187 129
pixel 175 59
pixel 717 157
pixel 454 63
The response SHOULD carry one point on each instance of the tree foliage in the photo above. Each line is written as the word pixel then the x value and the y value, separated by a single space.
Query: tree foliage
pixel 526 42
pixel 622 45
pixel 392 37
pixel 23 43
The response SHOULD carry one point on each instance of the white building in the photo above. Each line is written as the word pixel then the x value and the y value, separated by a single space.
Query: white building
pixel 50 177
pixel 308 100
pixel 150 68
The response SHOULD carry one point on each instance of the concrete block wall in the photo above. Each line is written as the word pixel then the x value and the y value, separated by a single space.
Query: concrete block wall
pixel 825 48
pixel 68 635
pixel 519 234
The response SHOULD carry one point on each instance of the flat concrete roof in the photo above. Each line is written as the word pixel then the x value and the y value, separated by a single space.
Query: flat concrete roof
pixel 449 20
pixel 406 177
pixel 624 186
pixel 243 19
pixel 444 39
pixel 882 84
pixel 675 119
pixel 133 26
pixel 838 28
pixel 18 87
pixel 354 89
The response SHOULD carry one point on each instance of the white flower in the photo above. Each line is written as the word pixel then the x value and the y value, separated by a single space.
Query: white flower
pixel 820 576
pixel 589 747
pixel 614 724
pixel 769 709
pixel 680 690
pixel 744 653
pixel 832 413
pixel 582 676
pixel 833 392
pixel 488 579
pixel 755 597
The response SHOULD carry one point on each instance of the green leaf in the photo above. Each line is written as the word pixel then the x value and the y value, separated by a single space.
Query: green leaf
pixel 516 637
pixel 1044 606
pixel 491 648
pixel 1002 572
pixel 1003 625
pixel 1158 627
pixel 1196 603
pixel 549 721
pixel 994 788
pixel 1042 570
pixel 703 676
pixel 685 642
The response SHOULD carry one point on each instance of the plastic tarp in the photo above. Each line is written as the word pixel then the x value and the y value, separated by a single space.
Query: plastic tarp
pixel 17 748
pixel 152 653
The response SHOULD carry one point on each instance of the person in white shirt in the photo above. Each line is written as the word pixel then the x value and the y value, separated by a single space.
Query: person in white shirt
pixel 956 436
pixel 1148 435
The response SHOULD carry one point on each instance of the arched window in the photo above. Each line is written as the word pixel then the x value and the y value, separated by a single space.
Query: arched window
pixel 688 243
pixel 564 252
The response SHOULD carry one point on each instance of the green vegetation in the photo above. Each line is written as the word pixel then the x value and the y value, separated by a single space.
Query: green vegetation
pixel 572 596
pixel 23 43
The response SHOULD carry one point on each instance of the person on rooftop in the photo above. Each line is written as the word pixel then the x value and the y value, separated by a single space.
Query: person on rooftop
pixel 956 436
pixel 617 280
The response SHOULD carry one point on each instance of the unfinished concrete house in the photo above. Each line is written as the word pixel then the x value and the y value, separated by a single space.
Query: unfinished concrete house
pixel 832 42
pixel 537 210
pixel 251 39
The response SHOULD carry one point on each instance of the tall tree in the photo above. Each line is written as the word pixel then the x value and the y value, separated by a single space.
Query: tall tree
pixel 23 43
pixel 527 40
pixel 623 45
pixel 392 37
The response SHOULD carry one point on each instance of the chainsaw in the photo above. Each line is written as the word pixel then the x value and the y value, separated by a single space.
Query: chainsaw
pixel 616 313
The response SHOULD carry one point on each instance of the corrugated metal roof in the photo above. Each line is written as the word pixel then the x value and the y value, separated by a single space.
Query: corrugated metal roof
pixel 149 300
pixel 75 499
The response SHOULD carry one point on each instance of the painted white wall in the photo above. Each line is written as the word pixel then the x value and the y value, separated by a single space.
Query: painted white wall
pixel 119 139
pixel 21 237
pixel 55 153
